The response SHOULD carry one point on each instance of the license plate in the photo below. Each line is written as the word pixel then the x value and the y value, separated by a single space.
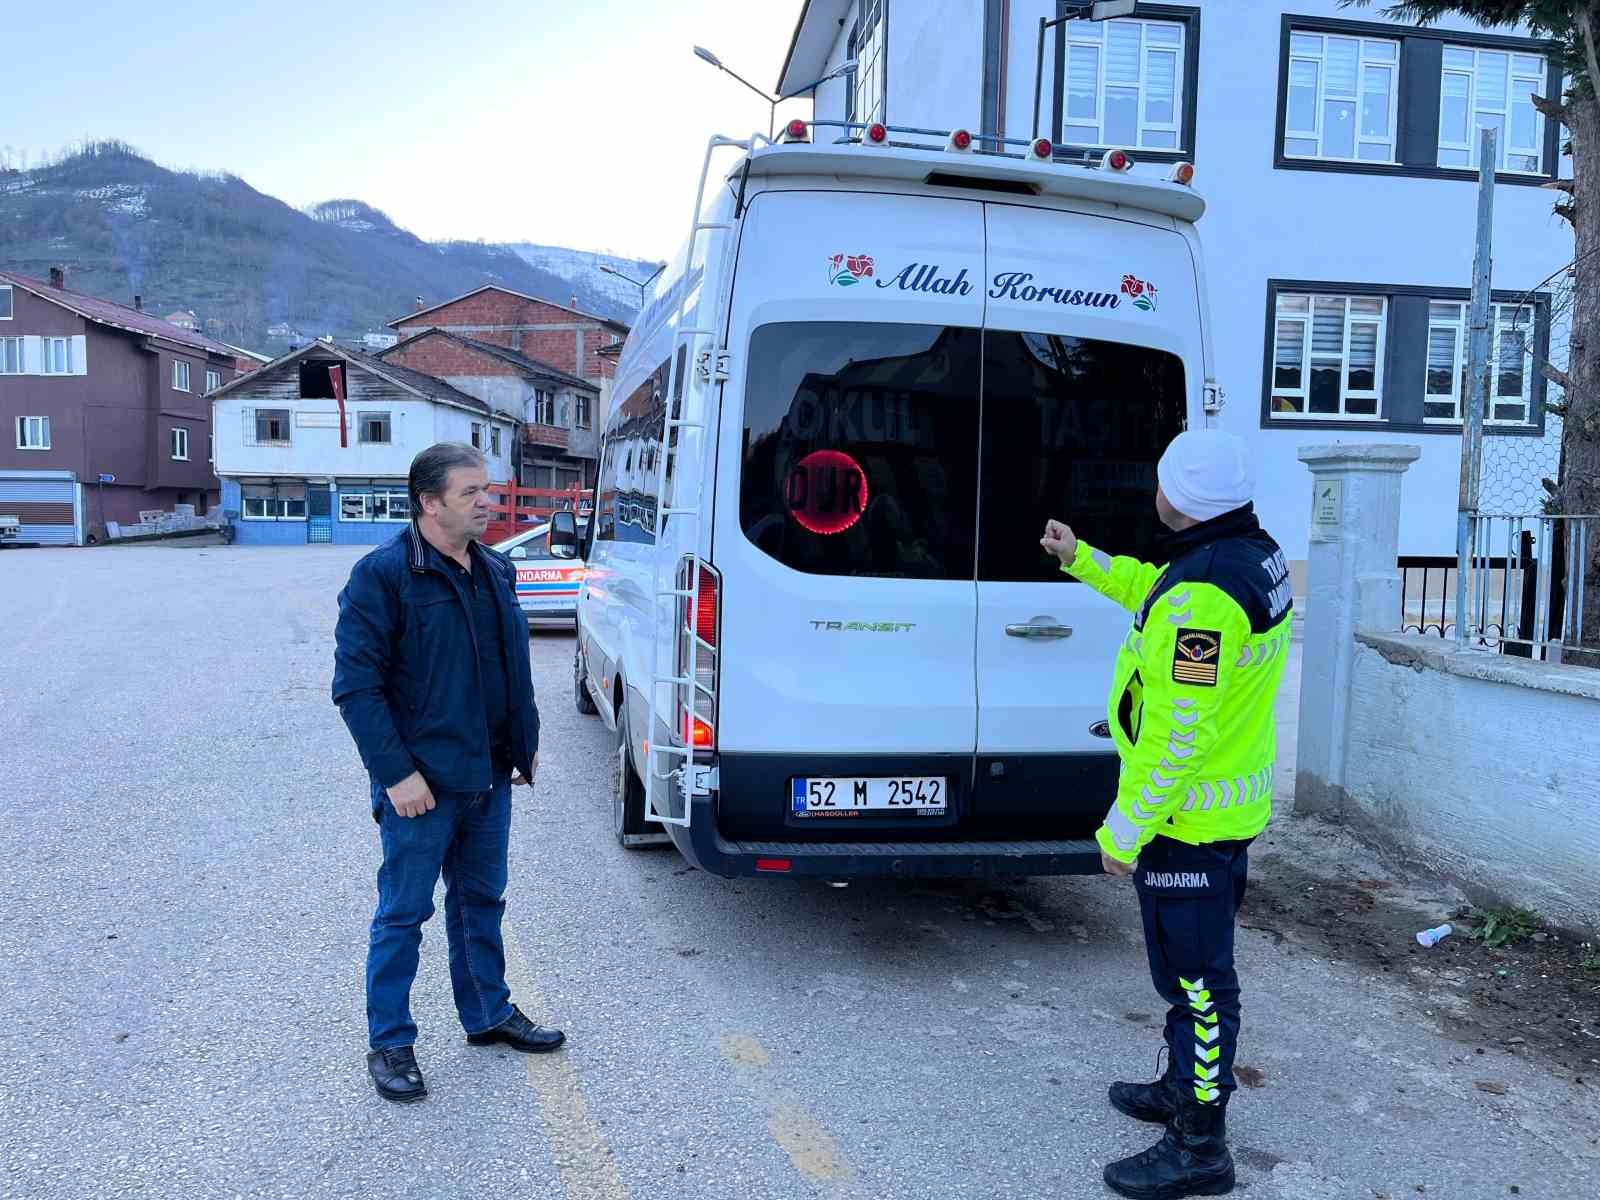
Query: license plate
pixel 854 797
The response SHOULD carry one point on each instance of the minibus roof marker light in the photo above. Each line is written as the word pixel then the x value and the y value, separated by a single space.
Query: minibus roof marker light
pixel 960 142
pixel 1181 173
pixel 875 134
pixel 795 131
pixel 1041 150
pixel 1116 160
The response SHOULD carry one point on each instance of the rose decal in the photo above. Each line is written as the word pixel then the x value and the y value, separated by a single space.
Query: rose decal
pixel 849 270
pixel 1140 291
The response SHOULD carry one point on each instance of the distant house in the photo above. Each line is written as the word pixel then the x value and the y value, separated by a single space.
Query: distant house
pixel 282 331
pixel 183 319
pixel 560 440
pixel 566 338
pixel 92 390
pixel 247 360
pixel 299 466
pixel 374 342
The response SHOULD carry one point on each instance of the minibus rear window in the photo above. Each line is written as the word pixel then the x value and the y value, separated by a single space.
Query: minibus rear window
pixel 860 451
pixel 1072 429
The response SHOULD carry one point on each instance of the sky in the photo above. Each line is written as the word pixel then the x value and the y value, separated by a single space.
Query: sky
pixel 573 124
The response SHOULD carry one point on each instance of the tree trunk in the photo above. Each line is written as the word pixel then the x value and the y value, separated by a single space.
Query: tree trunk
pixel 1579 487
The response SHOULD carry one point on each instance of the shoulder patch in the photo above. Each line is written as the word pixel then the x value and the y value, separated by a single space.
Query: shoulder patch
pixel 1195 655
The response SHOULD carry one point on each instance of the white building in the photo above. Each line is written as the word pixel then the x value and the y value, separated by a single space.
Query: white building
pixel 290 474
pixel 1337 155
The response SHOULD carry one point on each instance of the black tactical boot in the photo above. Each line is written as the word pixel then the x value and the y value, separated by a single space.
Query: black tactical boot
pixel 1191 1159
pixel 1155 1102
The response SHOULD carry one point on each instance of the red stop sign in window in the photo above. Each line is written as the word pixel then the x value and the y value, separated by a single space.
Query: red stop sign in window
pixel 826 491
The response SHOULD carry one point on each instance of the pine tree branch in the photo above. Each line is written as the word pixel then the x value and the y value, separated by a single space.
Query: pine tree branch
pixel 1552 109
pixel 1556 376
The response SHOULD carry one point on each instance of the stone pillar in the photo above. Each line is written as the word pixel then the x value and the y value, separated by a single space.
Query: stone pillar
pixel 1352 583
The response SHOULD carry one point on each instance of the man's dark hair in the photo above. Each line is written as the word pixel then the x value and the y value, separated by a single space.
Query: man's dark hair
pixel 430 470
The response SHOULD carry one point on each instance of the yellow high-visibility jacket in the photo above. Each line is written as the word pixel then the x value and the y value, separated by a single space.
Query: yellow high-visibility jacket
pixel 1195 683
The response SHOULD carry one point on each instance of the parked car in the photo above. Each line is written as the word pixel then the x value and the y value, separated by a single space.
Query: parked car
pixel 815 612
pixel 547 582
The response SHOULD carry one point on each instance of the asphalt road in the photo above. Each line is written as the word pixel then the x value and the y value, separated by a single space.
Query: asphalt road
pixel 183 912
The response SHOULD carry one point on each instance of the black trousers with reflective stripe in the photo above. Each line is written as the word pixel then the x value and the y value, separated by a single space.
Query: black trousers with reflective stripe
pixel 1189 897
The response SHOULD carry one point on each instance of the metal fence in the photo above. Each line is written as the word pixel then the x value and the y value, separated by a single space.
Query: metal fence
pixel 1525 586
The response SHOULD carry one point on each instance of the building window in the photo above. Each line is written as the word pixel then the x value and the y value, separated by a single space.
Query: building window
pixel 1327 359
pixel 213 380
pixel 1491 89
pixel 1387 99
pixel 5 302
pixel 316 379
pixel 274 502
pixel 1510 364
pixel 180 376
pixel 494 440
pixel 33 433
pixel 180 445
pixel 584 407
pixel 376 428
pixel 477 435
pixel 272 427
pixel 10 356
pixel 865 97
pixel 57 353
pixel 544 407
pixel 380 504
pixel 1343 98
pixel 1125 84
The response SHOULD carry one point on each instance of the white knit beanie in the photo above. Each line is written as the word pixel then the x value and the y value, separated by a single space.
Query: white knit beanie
pixel 1206 473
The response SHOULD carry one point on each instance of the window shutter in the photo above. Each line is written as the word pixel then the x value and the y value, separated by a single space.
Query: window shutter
pixel 249 427
pixel 80 355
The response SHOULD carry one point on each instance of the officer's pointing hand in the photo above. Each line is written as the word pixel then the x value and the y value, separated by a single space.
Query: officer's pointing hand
pixel 1059 540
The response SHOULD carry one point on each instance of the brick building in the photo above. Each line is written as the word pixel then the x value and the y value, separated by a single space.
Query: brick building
pixel 564 338
pixel 559 444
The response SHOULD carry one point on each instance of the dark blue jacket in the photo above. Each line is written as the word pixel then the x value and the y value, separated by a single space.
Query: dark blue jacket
pixel 405 668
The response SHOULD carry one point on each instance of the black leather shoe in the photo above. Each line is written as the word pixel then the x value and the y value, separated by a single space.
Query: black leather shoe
pixel 1191 1159
pixel 396 1075
pixel 1155 1102
pixel 519 1033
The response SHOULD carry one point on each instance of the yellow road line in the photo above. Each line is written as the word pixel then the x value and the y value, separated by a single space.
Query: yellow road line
pixel 582 1155
pixel 811 1148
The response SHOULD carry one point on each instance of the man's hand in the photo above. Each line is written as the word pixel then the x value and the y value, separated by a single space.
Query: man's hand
pixel 1115 867
pixel 517 779
pixel 1059 540
pixel 411 797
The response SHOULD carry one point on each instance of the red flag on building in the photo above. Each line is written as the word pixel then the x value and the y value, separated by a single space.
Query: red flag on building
pixel 336 375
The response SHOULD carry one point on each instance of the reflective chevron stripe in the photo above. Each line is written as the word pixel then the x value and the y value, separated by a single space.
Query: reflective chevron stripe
pixel 1207 1068
pixel 1177 751
pixel 1101 560
pixel 1123 831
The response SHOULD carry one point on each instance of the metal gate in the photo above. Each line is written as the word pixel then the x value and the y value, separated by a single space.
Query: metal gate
pixel 319 515
pixel 45 503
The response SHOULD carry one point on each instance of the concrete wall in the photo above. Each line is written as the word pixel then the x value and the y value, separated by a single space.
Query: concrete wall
pixel 1484 767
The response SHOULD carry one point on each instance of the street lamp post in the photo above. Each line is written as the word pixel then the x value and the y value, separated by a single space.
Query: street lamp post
pixel 843 68
pixel 642 284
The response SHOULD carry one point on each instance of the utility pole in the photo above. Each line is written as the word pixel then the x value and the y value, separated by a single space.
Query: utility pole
pixel 1478 378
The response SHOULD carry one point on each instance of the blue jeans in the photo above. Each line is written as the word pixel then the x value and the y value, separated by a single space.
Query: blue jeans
pixel 466 837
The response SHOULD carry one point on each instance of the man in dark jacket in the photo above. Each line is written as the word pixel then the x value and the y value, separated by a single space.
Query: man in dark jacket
pixel 431 674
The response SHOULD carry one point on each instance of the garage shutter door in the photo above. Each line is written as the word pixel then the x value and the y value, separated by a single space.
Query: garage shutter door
pixel 43 505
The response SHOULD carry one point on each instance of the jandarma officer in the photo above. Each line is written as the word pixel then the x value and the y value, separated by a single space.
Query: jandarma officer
pixel 1191 712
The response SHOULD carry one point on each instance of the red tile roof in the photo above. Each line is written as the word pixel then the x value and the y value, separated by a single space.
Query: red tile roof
pixel 118 316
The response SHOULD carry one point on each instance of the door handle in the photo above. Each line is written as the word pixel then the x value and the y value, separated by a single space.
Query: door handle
pixel 1041 628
